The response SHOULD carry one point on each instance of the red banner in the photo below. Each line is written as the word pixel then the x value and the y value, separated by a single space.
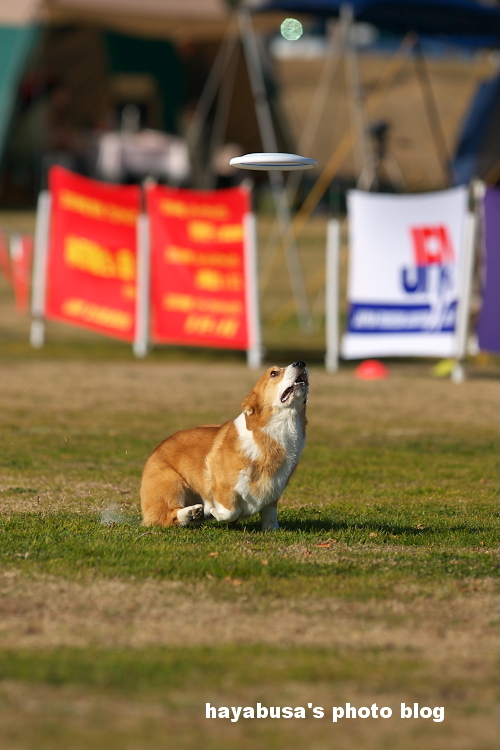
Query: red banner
pixel 91 274
pixel 198 279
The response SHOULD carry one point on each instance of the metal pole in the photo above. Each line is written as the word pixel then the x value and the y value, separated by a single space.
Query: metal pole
pixel 199 116
pixel 432 111
pixel 221 117
pixel 266 129
pixel 345 144
pixel 363 151
pixel 333 55
pixel 336 46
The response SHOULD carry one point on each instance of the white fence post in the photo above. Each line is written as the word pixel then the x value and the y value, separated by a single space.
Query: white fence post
pixel 39 277
pixel 464 299
pixel 141 340
pixel 254 351
pixel 332 295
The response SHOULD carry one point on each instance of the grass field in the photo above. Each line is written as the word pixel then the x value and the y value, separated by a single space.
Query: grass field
pixel 380 587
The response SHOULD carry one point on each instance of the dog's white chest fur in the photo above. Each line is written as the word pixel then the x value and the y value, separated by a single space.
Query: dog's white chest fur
pixel 286 429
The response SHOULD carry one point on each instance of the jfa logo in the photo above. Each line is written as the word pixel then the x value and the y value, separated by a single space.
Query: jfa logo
pixel 432 245
pixel 431 279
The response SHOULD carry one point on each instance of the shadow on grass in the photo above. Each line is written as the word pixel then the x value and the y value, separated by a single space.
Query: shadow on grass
pixel 320 525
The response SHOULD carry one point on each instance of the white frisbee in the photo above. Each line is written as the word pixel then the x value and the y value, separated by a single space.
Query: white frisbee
pixel 283 162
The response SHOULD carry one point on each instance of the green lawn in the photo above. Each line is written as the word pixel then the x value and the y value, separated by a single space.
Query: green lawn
pixel 368 548
pixel 380 587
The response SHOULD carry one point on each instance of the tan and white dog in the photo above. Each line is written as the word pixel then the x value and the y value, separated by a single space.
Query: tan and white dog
pixel 236 469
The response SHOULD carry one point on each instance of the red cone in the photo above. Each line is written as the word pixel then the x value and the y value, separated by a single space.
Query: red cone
pixel 371 369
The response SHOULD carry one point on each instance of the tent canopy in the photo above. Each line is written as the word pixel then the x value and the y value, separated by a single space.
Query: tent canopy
pixel 18 13
pixel 177 20
pixel 184 19
pixel 478 151
pixel 457 18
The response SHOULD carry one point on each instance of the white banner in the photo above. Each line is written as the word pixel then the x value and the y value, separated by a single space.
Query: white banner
pixel 405 259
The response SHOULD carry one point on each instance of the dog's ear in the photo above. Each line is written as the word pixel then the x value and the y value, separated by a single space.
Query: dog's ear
pixel 250 410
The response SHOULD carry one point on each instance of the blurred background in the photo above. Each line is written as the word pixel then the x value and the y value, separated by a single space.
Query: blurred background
pixel 381 586
pixel 398 97
pixel 76 73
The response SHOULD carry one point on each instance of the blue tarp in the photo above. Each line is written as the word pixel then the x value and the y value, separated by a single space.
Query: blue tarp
pixel 478 147
pixel 468 19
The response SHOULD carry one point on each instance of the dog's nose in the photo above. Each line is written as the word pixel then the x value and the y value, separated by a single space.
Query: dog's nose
pixel 299 364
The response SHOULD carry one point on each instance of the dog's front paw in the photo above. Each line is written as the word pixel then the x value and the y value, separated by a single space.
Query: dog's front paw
pixel 269 518
pixel 271 526
pixel 191 514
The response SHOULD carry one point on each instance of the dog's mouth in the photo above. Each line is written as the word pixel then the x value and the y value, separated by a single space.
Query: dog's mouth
pixel 301 381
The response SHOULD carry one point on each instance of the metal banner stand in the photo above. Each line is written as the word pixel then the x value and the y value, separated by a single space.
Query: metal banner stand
pixel 332 295
pixel 463 312
pixel 141 339
pixel 276 179
pixel 241 29
pixel 254 351
pixel 40 257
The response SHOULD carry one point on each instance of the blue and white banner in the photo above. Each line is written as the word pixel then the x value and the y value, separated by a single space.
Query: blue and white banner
pixel 405 261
